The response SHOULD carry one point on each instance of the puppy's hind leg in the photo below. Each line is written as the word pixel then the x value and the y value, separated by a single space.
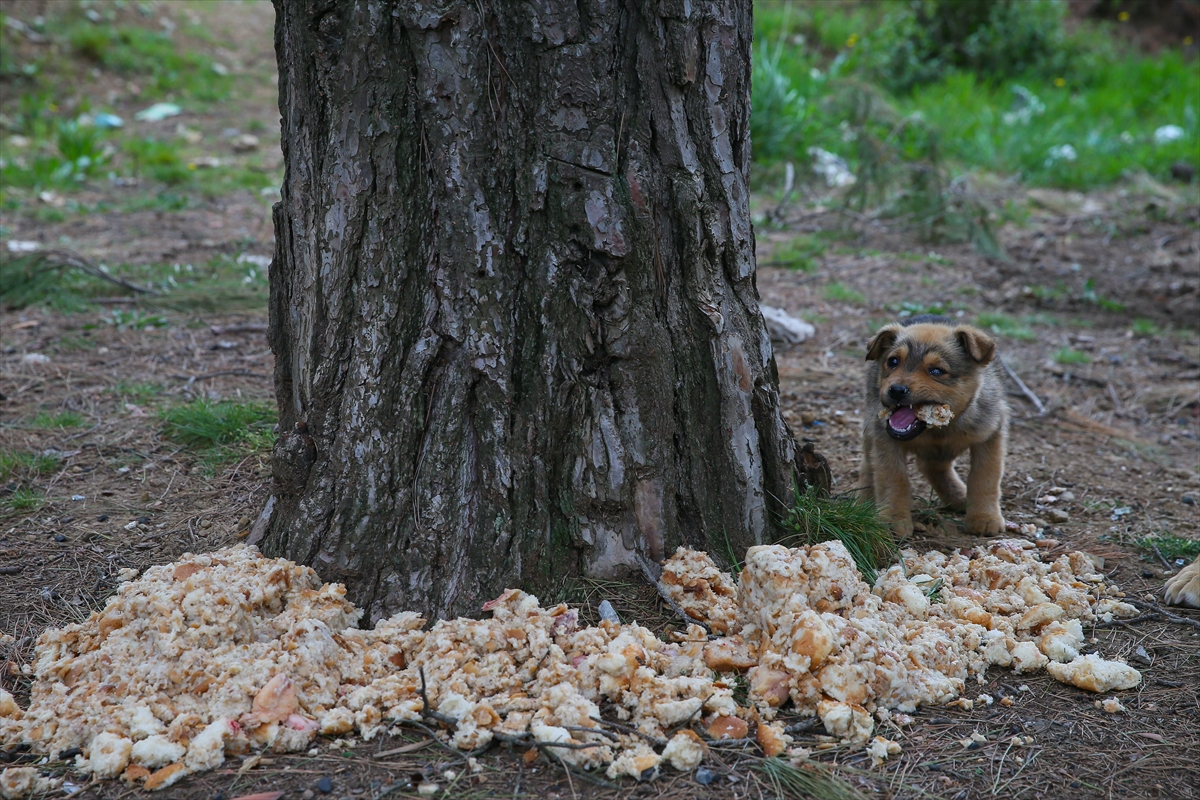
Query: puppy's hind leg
pixel 945 481
pixel 983 487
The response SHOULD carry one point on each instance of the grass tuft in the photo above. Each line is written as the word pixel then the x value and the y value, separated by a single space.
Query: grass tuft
pixel 205 425
pixel 811 780
pixel 15 463
pixel 47 421
pixel 23 499
pixel 1171 546
pixel 840 293
pixel 852 521
pixel 1069 355
pixel 1006 326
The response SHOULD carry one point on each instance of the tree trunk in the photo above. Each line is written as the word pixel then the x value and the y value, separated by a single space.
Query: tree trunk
pixel 513 305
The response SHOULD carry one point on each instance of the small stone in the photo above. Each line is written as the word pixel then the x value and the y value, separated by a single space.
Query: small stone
pixel 1067 496
pixel 308 794
pixel 244 522
pixel 1057 515
pixel 206 523
pixel 1188 499
pixel 808 417
pixel 102 518
pixel 324 785
pixel 705 776
pixel 58 537
pixel 143 520
pixel 1041 523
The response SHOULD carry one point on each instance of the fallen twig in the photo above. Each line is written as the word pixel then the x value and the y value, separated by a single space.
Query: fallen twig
pixel 654 740
pixel 1157 609
pixel 207 375
pixel 1033 398
pixel 1164 561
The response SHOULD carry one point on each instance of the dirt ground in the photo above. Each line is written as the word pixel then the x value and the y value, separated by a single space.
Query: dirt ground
pixel 1100 295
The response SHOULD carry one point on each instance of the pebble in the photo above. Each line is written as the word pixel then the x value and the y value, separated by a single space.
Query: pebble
pixel 1057 515
pixel 58 537
pixel 705 776
pixel 808 417
pixel 143 520
pixel 308 794
pixel 1067 496
pixel 1188 499
pixel 324 785
pixel 206 523
pixel 244 522
pixel 102 518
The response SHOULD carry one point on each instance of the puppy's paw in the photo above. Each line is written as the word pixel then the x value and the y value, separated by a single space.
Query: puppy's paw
pixel 985 524
pixel 902 528
pixel 1184 588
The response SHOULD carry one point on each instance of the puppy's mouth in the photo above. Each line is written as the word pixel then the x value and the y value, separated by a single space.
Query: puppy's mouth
pixel 903 424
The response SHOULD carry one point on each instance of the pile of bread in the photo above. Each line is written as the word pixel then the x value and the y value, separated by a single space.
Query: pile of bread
pixel 222 654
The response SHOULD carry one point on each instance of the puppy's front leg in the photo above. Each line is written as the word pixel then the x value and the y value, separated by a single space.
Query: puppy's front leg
pixel 892 490
pixel 866 470
pixel 983 487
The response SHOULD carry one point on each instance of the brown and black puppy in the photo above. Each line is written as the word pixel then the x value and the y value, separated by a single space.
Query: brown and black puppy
pixel 931 360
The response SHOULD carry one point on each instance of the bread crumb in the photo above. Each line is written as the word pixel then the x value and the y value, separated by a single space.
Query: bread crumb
pixel 935 416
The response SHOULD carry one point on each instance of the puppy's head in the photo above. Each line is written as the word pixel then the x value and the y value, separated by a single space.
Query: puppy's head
pixel 927 360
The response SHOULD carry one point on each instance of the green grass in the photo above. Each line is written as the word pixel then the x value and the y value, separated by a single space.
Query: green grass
pixel 799 253
pixel 204 425
pixel 155 59
pixel 136 391
pixel 1145 327
pixel 839 293
pixel 64 419
pixel 20 464
pixel 1006 326
pixel 221 433
pixel 220 284
pixel 1105 101
pixel 813 780
pixel 1172 547
pixel 856 523
pixel 23 499
pixel 1069 355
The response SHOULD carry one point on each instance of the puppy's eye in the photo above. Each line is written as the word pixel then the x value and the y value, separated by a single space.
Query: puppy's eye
pixel 893 362
pixel 937 372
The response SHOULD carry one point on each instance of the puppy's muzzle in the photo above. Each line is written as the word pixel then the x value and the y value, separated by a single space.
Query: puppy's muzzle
pixel 903 424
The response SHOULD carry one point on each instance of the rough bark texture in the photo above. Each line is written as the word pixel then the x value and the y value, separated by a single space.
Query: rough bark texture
pixel 513 301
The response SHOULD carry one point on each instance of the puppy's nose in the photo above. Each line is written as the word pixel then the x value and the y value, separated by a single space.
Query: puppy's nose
pixel 898 393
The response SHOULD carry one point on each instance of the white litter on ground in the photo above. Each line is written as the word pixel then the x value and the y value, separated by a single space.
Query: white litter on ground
pixel 222 653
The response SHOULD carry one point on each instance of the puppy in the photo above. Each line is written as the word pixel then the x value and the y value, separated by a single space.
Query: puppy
pixel 931 360
pixel 1184 588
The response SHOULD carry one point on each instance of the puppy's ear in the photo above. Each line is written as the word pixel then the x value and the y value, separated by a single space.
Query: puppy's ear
pixel 975 343
pixel 882 342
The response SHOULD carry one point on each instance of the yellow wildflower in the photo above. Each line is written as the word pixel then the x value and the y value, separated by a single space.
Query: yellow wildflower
pixel 1059 82
pixel 1123 16
pixel 853 40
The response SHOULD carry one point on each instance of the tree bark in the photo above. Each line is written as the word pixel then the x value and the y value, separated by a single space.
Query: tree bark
pixel 513 303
